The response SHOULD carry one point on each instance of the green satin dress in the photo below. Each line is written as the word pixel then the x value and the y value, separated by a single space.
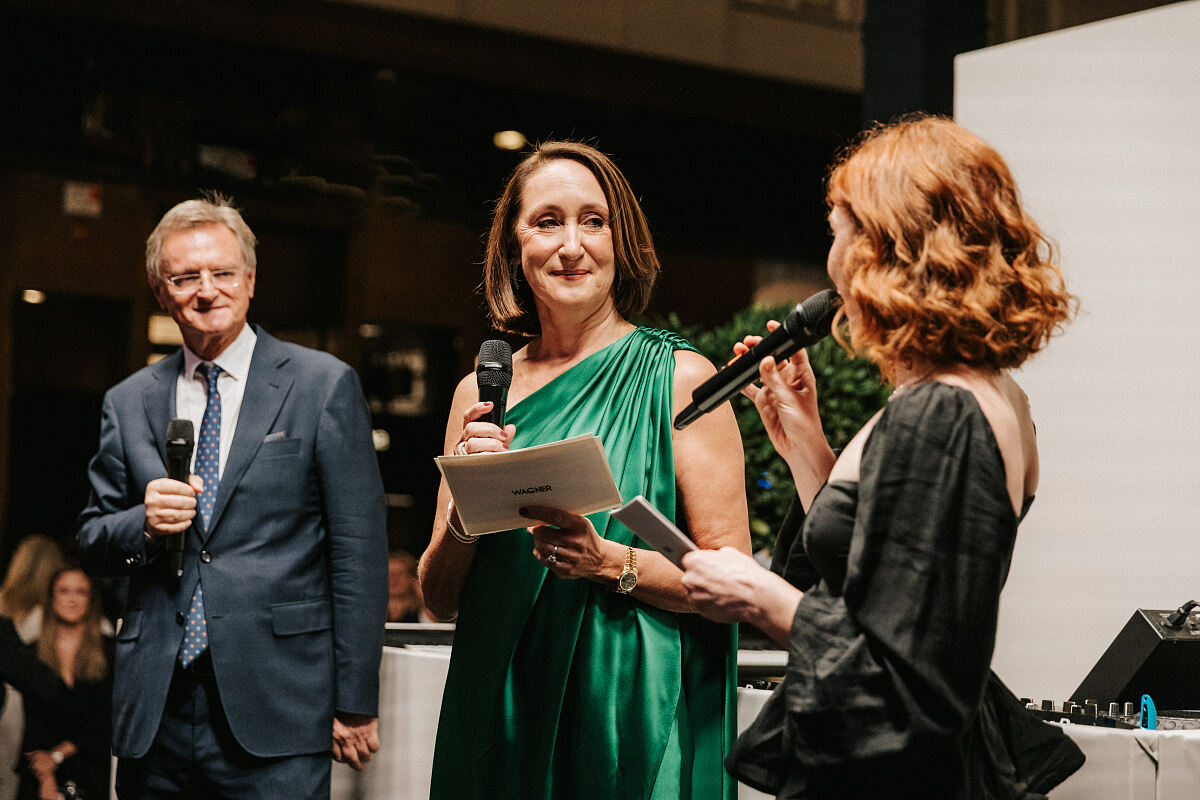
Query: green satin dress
pixel 564 688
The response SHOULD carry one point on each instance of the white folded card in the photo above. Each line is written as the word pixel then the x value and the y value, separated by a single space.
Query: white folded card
pixel 571 474
pixel 654 529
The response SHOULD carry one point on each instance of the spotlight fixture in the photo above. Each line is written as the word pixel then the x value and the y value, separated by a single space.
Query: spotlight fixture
pixel 509 140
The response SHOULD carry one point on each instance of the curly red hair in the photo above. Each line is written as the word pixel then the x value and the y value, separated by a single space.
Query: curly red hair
pixel 946 267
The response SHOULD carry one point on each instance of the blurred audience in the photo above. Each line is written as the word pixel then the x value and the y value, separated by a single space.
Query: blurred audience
pixel 404 592
pixel 35 561
pixel 20 666
pixel 68 742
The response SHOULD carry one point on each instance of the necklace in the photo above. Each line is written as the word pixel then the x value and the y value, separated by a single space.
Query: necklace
pixel 908 384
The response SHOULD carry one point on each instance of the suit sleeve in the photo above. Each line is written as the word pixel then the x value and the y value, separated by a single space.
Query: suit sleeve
pixel 110 539
pixel 353 505
pixel 898 660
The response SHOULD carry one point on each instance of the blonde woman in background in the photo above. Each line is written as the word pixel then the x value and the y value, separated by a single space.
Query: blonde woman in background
pixel 36 560
pixel 33 564
pixel 67 740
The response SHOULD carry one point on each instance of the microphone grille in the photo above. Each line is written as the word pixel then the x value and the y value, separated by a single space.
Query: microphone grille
pixel 494 364
pixel 817 311
pixel 181 429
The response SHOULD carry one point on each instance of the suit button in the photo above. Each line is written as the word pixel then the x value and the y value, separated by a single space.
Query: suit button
pixel 205 556
pixel 180 618
pixel 133 560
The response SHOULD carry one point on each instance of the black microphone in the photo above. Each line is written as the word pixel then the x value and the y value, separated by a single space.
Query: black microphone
pixel 180 442
pixel 493 373
pixel 808 323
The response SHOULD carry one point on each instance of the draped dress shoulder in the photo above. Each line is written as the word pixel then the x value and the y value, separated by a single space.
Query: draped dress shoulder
pixel 564 688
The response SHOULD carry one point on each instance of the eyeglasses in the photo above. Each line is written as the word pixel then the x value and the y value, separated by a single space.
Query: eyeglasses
pixel 192 281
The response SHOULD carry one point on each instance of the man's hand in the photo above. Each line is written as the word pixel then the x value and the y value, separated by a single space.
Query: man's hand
pixel 171 505
pixel 355 738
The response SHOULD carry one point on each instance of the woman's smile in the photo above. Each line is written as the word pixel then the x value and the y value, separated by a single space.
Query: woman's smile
pixel 566 242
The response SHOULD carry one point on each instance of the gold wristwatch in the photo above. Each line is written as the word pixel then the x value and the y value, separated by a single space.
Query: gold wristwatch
pixel 628 578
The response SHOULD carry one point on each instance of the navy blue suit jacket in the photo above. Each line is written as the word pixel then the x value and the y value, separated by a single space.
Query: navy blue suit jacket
pixel 294 563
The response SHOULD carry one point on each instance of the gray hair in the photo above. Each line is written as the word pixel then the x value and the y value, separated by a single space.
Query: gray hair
pixel 212 209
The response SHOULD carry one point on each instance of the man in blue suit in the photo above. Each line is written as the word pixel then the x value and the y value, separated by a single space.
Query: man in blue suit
pixel 230 679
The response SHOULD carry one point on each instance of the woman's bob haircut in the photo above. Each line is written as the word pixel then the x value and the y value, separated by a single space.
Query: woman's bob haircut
pixel 509 299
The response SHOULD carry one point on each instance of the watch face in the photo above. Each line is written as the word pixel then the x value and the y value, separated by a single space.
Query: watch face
pixel 627 581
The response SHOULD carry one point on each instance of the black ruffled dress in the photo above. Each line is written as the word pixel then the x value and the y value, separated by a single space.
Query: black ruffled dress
pixel 888 690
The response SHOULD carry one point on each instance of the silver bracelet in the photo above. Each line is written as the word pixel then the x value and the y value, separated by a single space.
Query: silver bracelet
pixel 465 538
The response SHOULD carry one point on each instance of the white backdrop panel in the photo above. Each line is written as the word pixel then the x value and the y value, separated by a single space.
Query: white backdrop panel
pixel 1101 125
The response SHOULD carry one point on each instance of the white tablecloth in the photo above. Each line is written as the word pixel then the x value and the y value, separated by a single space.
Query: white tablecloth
pixel 410 696
pixel 1133 765
pixel 1121 764
pixel 411 680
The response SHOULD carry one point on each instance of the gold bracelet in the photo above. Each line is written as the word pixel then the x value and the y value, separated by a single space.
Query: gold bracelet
pixel 465 538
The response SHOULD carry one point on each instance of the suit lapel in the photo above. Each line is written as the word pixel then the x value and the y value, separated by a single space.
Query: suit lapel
pixel 267 386
pixel 159 399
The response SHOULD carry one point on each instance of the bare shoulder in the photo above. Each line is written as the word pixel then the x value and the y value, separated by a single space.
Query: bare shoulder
pixel 466 392
pixel 709 464
pixel 999 397
pixel 1006 408
pixel 1015 395
pixel 691 370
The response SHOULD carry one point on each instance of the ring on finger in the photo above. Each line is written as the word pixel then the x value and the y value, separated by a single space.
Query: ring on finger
pixel 461 449
pixel 553 557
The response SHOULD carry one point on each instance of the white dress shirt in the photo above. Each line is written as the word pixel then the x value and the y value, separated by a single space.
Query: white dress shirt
pixel 191 394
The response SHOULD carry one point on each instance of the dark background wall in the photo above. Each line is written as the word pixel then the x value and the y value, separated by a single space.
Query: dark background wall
pixel 358 143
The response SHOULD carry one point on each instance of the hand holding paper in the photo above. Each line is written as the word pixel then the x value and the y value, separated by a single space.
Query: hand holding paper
pixel 567 544
pixel 649 524
pixel 488 489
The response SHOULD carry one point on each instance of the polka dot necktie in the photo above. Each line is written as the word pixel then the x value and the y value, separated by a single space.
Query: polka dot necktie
pixel 208 462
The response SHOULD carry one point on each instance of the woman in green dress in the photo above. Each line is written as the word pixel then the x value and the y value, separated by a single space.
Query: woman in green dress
pixel 579 669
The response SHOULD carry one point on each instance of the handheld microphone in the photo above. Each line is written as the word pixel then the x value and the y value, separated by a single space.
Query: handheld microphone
pixel 180 442
pixel 493 373
pixel 808 323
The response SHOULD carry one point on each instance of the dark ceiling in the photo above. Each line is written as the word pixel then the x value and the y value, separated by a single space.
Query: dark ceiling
pixel 317 102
